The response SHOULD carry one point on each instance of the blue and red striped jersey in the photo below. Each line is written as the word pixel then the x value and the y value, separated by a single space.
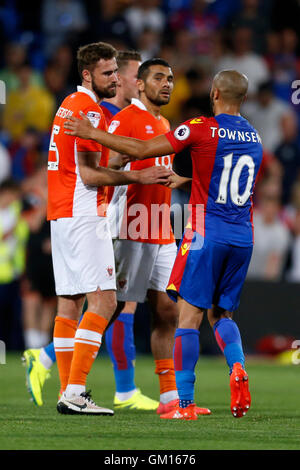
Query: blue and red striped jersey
pixel 109 110
pixel 226 153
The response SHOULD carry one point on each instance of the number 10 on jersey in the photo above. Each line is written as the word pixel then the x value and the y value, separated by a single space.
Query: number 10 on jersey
pixel 236 198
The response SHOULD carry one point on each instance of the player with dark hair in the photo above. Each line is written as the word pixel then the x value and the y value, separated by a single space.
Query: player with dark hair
pixel 145 68
pixel 214 254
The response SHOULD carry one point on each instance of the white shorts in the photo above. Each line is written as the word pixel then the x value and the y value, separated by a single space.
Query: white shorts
pixel 82 255
pixel 142 266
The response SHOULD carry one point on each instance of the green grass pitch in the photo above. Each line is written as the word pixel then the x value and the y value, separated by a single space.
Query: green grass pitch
pixel 273 421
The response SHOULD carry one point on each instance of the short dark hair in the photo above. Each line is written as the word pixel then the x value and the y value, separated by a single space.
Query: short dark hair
pixel 144 68
pixel 124 57
pixel 88 55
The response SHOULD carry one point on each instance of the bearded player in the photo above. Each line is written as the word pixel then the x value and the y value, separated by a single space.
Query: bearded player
pixel 122 354
pixel 39 361
pixel 82 250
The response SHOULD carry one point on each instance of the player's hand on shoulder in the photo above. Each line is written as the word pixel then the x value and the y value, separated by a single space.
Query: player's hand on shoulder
pixel 154 175
pixel 81 127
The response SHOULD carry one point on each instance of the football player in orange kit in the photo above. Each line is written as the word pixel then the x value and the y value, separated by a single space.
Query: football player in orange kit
pixel 82 251
pixel 145 256
pixel 122 351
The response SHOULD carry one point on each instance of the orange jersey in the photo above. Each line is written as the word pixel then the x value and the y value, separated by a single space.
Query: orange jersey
pixel 68 196
pixel 147 218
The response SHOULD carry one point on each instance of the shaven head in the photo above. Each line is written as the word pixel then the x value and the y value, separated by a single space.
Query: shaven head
pixel 230 88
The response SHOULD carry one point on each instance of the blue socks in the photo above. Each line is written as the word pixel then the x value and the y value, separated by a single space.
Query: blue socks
pixel 119 341
pixel 49 350
pixel 229 340
pixel 186 354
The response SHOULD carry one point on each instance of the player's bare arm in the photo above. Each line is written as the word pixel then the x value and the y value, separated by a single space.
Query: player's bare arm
pixel 93 175
pixel 139 149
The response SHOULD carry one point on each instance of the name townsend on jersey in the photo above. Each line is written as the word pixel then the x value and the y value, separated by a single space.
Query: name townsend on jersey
pixel 230 134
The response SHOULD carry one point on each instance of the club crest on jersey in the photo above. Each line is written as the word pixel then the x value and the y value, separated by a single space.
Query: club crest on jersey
pixel 184 248
pixel 197 121
pixel 94 117
pixel 172 287
pixel 113 126
pixel 182 132
pixel 149 129
pixel 110 270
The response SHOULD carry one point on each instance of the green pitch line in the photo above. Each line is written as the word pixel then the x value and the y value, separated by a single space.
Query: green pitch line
pixel 273 421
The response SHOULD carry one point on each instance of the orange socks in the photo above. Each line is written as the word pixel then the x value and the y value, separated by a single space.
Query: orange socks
pixel 87 342
pixel 64 332
pixel 167 383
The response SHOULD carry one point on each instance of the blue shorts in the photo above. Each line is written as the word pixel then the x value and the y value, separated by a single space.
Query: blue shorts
pixel 207 273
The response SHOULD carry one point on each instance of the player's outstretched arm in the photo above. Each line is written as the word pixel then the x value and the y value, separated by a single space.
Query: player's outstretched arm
pixel 139 149
pixel 93 175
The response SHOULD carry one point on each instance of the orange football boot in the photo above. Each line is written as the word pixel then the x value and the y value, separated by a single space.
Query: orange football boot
pixel 240 395
pixel 167 407
pixel 187 414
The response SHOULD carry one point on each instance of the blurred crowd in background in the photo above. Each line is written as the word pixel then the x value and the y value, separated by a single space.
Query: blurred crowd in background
pixel 38 43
